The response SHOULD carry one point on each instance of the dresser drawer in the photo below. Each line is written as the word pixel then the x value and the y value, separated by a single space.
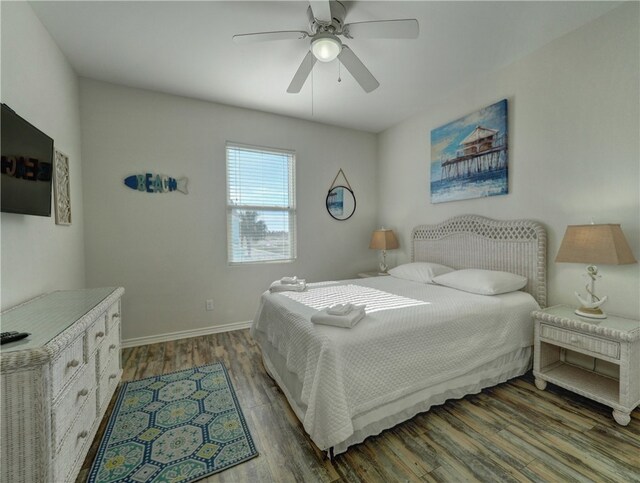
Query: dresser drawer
pixel 108 381
pixel 96 334
pixel 76 441
pixel 70 402
pixel 588 343
pixel 113 315
pixel 70 361
pixel 110 348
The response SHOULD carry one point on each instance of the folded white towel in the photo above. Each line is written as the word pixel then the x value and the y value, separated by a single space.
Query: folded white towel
pixel 289 280
pixel 278 286
pixel 340 309
pixel 347 321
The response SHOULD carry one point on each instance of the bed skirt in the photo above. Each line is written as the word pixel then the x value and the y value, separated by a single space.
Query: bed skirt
pixel 378 419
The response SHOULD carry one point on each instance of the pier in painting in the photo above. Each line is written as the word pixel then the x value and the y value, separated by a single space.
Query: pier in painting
pixel 484 150
pixel 469 156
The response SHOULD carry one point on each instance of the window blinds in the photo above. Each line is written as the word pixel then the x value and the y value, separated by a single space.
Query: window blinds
pixel 261 209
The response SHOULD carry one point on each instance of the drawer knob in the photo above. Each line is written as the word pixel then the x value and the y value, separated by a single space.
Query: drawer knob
pixel 73 363
pixel 83 392
pixel 113 376
pixel 115 316
pixel 83 434
pixel 112 346
pixel 573 338
pixel 99 334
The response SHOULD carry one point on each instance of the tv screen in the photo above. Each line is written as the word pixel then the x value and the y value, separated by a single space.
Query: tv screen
pixel 26 166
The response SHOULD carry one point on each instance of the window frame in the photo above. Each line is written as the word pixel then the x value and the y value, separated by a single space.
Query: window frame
pixel 291 209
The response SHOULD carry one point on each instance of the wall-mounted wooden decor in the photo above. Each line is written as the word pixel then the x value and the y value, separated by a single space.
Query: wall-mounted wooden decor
pixel 156 183
pixel 61 189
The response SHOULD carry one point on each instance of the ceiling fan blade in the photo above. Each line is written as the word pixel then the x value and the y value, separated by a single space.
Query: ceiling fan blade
pixel 321 11
pixel 302 73
pixel 268 36
pixel 357 69
pixel 383 29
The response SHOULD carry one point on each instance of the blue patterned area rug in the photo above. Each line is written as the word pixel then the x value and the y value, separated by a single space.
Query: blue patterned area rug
pixel 178 427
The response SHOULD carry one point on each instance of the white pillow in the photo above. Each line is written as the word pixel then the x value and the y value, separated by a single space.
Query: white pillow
pixel 419 271
pixel 482 282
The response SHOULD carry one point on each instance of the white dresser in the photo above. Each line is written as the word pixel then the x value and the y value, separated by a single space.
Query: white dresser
pixel 57 383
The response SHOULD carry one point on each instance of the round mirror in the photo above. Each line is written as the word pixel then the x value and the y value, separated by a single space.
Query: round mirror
pixel 341 203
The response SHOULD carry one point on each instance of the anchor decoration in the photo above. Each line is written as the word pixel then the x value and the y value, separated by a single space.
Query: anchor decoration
pixel 592 307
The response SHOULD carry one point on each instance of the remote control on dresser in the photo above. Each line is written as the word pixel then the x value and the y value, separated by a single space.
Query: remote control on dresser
pixel 6 337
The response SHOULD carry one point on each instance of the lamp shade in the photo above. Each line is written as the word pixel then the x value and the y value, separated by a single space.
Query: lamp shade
pixel 601 244
pixel 383 240
pixel 326 47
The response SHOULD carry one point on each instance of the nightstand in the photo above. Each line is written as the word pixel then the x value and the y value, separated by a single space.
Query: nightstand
pixel 614 339
pixel 372 274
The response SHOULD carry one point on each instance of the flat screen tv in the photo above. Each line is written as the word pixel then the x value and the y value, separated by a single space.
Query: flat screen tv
pixel 26 166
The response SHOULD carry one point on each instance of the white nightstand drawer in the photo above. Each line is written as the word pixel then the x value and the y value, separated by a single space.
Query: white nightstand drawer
pixel 589 343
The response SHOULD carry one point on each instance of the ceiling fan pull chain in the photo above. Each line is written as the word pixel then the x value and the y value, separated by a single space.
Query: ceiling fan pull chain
pixel 312 92
pixel 339 79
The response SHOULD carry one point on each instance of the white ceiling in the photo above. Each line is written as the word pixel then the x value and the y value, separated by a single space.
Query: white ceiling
pixel 185 48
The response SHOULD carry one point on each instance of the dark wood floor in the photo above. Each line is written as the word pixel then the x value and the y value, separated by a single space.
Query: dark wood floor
pixel 511 432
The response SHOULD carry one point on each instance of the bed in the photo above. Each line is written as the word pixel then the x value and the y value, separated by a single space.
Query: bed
pixel 419 345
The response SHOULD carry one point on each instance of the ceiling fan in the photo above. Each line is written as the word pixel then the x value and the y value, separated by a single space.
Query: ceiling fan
pixel 326 24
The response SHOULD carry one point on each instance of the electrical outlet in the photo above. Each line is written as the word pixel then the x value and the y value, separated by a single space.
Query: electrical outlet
pixel 209 304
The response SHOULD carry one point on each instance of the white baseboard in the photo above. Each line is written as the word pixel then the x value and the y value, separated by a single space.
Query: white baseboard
pixel 184 334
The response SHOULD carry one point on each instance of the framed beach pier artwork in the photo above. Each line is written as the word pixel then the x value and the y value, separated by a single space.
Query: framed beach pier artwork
pixel 469 156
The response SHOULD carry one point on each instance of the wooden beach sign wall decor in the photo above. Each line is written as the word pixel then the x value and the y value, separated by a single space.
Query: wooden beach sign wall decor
pixel 156 183
pixel 469 156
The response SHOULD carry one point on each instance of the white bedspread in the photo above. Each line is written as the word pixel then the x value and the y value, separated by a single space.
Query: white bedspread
pixel 413 336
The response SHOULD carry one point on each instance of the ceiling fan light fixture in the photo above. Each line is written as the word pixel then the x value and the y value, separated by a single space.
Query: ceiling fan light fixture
pixel 326 47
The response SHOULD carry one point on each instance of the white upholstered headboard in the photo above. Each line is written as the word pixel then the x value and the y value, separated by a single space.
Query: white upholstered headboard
pixel 470 241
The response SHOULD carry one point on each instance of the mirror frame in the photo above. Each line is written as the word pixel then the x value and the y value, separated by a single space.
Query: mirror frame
pixel 354 202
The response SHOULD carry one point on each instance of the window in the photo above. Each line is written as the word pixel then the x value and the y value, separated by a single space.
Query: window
pixel 261 206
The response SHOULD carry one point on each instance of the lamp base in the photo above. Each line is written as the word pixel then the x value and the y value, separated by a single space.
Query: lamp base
pixel 383 263
pixel 595 313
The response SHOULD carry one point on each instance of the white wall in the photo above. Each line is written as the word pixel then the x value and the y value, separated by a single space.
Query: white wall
pixel 573 150
pixel 169 250
pixel 39 84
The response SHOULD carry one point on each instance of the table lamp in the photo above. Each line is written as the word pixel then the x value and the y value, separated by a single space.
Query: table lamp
pixel 601 244
pixel 384 240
